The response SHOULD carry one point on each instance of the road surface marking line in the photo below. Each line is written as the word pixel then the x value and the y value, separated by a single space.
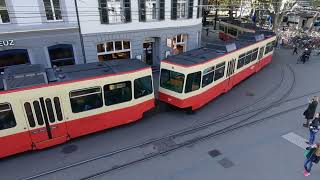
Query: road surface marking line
pixel 296 139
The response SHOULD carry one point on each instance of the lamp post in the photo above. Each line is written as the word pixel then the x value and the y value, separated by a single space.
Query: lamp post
pixel 80 33
pixel 216 16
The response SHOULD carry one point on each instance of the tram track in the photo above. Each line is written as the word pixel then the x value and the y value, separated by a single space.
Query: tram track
pixel 181 132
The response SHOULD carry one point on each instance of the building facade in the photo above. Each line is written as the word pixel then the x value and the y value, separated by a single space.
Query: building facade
pixel 149 30
pixel 47 31
pixel 39 32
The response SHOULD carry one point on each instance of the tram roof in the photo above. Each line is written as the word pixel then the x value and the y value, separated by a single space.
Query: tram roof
pixel 215 49
pixel 27 75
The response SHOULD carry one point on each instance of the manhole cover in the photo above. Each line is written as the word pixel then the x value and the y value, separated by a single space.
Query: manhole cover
pixel 249 94
pixel 214 153
pixel 226 163
pixel 69 149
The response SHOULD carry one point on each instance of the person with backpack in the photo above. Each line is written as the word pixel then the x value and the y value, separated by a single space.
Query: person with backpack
pixel 310 111
pixel 312 154
pixel 313 128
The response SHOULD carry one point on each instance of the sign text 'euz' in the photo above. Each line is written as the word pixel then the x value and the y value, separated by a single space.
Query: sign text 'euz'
pixel 4 43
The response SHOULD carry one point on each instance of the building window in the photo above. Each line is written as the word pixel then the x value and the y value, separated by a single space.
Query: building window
pixel 53 10
pixel 149 10
pixel 117 93
pixel 114 50
pixel 61 55
pixel 114 11
pixel 4 15
pixel 86 99
pixel 181 8
pixel 142 87
pixel 13 57
pixel 179 44
pixel 7 119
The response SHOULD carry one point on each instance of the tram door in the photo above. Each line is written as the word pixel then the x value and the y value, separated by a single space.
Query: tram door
pixel 260 56
pixel 261 52
pixel 230 72
pixel 45 118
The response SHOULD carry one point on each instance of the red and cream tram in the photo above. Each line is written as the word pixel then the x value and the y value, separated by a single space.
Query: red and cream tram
pixel 44 107
pixel 193 78
pixel 229 30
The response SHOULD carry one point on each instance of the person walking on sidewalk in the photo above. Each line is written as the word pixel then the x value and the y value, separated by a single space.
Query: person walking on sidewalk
pixel 310 111
pixel 313 156
pixel 313 128
pixel 295 50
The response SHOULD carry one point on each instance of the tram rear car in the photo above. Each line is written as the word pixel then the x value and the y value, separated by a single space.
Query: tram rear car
pixel 232 30
pixel 41 108
pixel 192 79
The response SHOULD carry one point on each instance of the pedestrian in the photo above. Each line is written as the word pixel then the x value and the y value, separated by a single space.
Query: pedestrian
pixel 313 128
pixel 310 111
pixel 295 50
pixel 313 156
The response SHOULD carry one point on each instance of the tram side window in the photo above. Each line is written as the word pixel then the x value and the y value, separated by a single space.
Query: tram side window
pixel 221 27
pixel 171 80
pixel 241 61
pixel 27 108
pixel 7 119
pixel 232 31
pixel 219 71
pixel 86 99
pixel 269 48
pixel 142 87
pixel 117 93
pixel 193 82
pixel 254 54
pixel 207 77
pixel 248 57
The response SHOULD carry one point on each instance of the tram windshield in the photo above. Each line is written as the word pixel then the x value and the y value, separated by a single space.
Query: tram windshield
pixel 171 80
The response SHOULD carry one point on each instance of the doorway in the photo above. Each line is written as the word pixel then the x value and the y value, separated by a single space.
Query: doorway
pixel 148 52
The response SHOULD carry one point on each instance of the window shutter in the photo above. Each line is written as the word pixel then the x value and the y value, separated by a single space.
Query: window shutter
pixel 103 9
pixel 173 9
pixel 127 10
pixel 161 9
pixel 142 10
pixel 190 9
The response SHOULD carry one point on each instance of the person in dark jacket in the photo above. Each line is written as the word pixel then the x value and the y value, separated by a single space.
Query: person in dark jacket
pixel 310 111
pixel 314 128
pixel 295 50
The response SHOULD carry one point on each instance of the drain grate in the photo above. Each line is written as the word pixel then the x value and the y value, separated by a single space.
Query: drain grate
pixel 69 149
pixel 226 163
pixel 214 153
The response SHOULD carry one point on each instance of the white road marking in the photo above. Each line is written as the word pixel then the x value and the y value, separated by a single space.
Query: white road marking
pixel 296 139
